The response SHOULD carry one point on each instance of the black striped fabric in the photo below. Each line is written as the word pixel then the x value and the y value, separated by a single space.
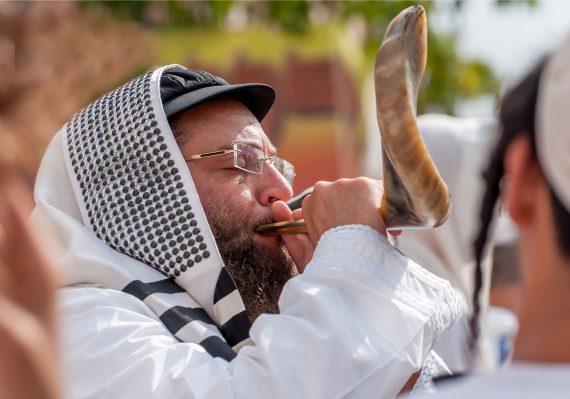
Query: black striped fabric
pixel 141 290
pixel 216 347
pixel 236 329
pixel 178 316
pixel 224 286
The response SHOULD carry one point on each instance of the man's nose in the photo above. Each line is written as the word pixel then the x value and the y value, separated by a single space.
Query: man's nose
pixel 273 186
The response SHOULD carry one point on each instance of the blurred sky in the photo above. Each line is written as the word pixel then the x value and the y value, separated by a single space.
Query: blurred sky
pixel 511 39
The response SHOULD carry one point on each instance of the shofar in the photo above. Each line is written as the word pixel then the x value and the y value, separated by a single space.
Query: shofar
pixel 415 195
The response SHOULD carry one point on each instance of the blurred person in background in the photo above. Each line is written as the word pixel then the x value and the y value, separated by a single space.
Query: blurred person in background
pixel 500 323
pixel 505 274
pixel 460 148
pixel 530 169
pixel 154 190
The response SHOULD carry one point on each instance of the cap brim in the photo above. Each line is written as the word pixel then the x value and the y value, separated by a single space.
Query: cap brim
pixel 258 98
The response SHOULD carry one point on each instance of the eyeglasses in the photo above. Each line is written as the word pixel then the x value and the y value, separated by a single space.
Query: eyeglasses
pixel 251 159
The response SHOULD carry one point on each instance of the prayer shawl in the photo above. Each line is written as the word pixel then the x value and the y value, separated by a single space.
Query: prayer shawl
pixel 128 183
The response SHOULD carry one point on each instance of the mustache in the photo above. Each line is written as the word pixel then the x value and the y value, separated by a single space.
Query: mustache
pixel 245 227
pixel 261 220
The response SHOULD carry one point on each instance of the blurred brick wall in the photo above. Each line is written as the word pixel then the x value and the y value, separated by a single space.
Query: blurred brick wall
pixel 316 120
pixel 316 117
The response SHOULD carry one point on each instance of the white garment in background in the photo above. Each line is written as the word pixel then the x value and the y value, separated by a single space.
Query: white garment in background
pixel 514 381
pixel 460 148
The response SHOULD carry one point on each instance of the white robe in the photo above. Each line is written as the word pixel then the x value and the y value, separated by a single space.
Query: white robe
pixel 354 325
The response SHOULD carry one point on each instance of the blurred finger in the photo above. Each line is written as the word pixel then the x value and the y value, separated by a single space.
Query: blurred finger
pixel 28 352
pixel 27 261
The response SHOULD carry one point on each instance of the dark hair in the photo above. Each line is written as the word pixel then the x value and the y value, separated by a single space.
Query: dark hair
pixel 180 132
pixel 516 117
pixel 561 216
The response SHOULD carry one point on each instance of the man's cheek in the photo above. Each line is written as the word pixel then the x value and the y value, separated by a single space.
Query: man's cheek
pixel 246 196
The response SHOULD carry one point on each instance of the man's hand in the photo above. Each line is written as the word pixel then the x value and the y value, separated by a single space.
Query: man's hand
pixel 345 201
pixel 298 245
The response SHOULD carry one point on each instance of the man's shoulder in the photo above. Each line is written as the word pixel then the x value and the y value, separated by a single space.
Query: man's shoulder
pixel 90 298
pixel 104 316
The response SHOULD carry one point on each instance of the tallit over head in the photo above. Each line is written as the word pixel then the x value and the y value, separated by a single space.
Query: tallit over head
pixel 553 122
pixel 120 197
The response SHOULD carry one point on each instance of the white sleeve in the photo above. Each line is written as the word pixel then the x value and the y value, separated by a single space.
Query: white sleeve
pixel 357 323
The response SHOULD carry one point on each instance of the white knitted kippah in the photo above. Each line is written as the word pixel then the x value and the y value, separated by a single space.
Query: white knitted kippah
pixel 553 122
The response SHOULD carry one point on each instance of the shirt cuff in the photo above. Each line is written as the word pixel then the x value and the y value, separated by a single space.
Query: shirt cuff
pixel 366 255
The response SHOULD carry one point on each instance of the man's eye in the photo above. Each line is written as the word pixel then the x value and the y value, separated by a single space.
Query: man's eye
pixel 241 160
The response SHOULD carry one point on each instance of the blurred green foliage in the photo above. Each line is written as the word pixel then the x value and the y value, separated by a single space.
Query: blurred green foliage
pixel 449 79
pixel 291 16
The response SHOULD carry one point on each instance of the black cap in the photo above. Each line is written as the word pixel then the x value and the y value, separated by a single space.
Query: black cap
pixel 181 89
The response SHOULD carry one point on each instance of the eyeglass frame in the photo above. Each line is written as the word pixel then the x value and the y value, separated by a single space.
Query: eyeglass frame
pixel 235 150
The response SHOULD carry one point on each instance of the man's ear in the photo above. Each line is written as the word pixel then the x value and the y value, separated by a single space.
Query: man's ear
pixel 523 180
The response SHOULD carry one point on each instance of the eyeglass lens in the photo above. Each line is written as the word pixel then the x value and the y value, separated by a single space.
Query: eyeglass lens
pixel 252 159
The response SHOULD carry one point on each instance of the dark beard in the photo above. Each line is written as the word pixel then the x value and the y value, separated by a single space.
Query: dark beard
pixel 259 272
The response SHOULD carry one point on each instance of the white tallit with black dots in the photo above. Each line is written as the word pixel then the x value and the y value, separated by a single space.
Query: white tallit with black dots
pixel 135 193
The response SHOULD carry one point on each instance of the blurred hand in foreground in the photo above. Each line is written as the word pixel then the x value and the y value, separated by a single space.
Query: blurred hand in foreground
pixel 28 343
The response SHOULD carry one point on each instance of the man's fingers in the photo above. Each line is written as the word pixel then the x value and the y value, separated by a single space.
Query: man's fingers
pixel 343 202
pixel 281 211
pixel 298 214
pixel 300 249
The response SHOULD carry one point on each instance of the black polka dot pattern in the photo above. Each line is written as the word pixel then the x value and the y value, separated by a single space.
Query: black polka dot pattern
pixel 133 194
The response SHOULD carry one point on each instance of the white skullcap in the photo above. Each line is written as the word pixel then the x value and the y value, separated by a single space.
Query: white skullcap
pixel 553 122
